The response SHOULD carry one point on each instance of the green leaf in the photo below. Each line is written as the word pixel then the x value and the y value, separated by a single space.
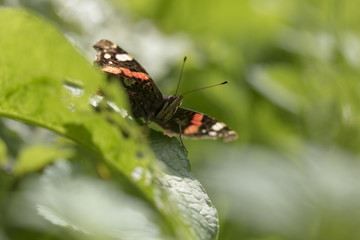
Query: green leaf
pixel 3 153
pixel 35 63
pixel 183 189
pixel 36 157
pixel 81 205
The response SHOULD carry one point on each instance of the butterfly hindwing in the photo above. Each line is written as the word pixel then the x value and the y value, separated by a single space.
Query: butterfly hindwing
pixel 197 125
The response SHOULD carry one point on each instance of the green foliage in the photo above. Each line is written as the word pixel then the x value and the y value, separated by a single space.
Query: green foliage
pixel 3 153
pixel 292 96
pixel 36 63
pixel 294 71
pixel 35 158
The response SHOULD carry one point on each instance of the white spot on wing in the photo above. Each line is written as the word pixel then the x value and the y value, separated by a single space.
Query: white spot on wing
pixel 218 126
pixel 124 57
pixel 203 131
pixel 107 56
pixel 212 134
pixel 231 132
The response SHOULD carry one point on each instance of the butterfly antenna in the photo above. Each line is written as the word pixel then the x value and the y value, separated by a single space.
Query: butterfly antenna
pixel 182 69
pixel 205 87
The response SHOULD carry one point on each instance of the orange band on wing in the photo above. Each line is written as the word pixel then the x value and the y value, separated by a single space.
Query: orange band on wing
pixel 126 72
pixel 197 119
pixel 112 70
pixel 196 123
pixel 140 75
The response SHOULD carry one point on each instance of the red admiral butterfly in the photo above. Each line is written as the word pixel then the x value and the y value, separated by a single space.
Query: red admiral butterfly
pixel 147 101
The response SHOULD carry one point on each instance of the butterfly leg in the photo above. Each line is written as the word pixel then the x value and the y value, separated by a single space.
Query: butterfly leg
pixel 144 122
pixel 148 120
pixel 181 141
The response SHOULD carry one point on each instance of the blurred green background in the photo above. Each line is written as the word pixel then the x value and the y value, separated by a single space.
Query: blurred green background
pixel 293 98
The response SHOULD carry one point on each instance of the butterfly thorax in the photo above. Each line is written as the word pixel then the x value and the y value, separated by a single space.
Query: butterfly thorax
pixel 169 108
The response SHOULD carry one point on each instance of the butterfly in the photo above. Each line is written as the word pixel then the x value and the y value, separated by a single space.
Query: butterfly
pixel 148 103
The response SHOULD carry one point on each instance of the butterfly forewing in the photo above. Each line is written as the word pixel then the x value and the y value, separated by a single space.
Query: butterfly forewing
pixel 145 97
